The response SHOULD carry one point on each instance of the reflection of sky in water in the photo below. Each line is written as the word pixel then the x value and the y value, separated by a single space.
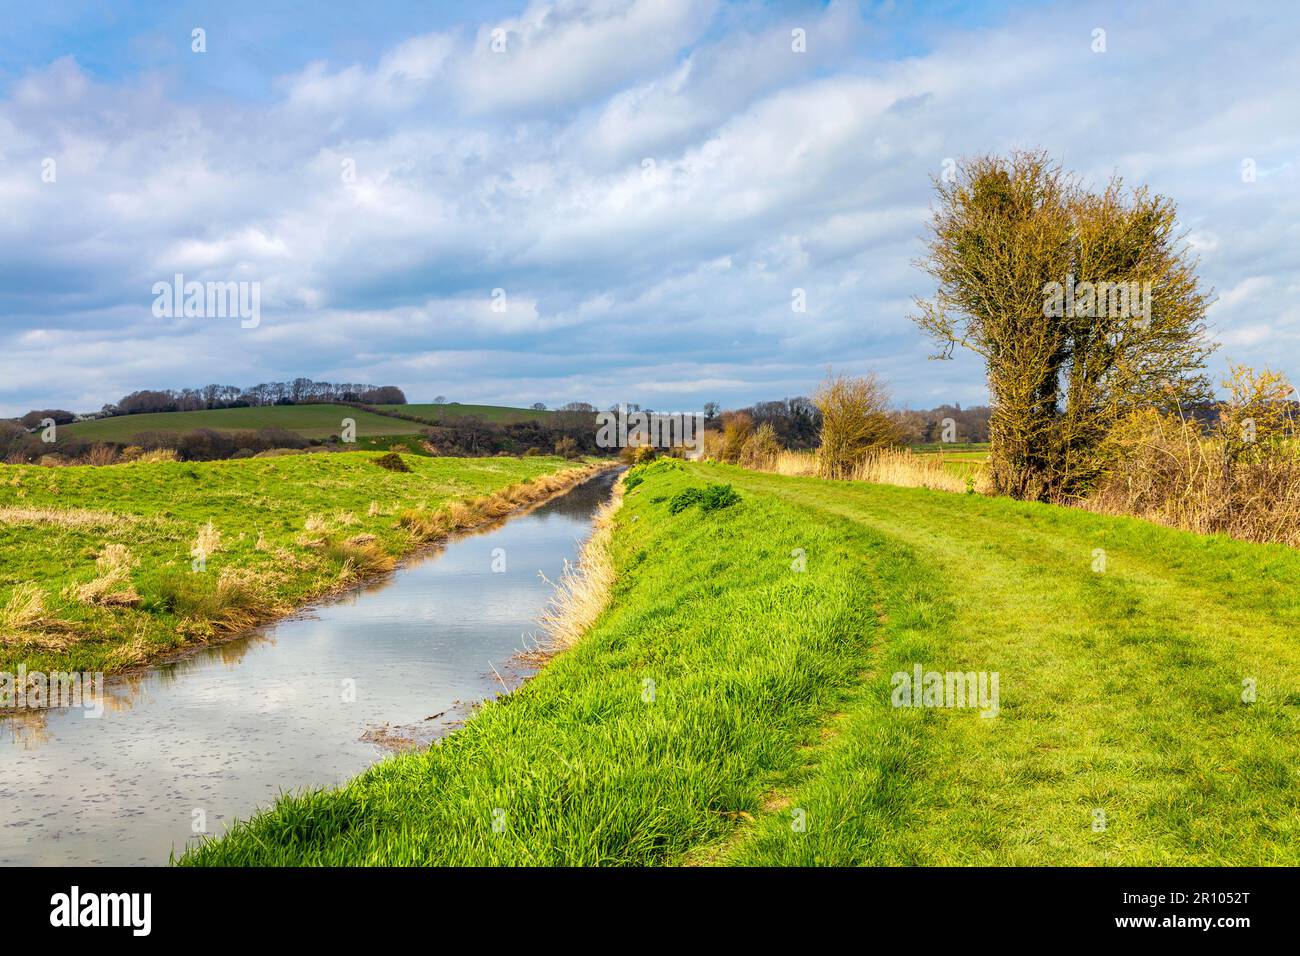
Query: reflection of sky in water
pixel 228 729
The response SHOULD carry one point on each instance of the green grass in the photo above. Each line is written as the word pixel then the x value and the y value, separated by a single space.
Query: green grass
pixel 724 690
pixel 493 413
pixel 963 459
pixel 309 421
pixel 960 451
pixel 156 512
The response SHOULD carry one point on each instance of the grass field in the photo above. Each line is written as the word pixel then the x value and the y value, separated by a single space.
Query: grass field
pixel 97 563
pixel 309 421
pixel 492 413
pixel 733 704
pixel 963 459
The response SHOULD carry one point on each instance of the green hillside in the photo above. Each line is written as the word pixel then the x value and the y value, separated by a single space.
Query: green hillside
pixel 493 413
pixel 310 421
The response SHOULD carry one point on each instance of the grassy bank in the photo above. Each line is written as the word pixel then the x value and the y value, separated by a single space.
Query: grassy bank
pixel 729 707
pixel 107 567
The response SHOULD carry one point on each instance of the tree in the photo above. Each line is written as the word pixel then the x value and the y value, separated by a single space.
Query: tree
pixel 711 410
pixel 1083 305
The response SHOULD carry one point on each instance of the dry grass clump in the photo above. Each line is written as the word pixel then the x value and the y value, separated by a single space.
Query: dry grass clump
pixel 583 591
pixel 1241 477
pixel 112 587
pixel 25 621
pixel 424 525
pixel 24 610
pixel 240 600
pixel 887 466
pixel 208 542
pixel 158 455
pixel 361 556
pixel 81 518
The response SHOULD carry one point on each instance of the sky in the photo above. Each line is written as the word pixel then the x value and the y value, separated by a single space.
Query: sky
pixel 593 200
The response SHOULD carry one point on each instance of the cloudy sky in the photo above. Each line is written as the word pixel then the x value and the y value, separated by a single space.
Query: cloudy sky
pixel 647 183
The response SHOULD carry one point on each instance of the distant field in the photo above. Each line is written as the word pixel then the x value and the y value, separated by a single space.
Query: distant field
pixel 963 459
pixel 310 421
pixel 493 413
pixel 956 451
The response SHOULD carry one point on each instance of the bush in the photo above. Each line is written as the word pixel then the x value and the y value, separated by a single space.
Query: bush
pixel 393 462
pixel 1241 479
pixel 567 448
pixel 855 421
pixel 101 454
pixel 711 497
pixel 761 449
pixel 736 429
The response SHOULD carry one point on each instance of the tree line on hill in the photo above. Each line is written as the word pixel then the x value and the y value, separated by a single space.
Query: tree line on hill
pixel 298 391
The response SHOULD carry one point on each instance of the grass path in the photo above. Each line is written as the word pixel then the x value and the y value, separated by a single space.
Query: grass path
pixel 1120 692
pixel 727 696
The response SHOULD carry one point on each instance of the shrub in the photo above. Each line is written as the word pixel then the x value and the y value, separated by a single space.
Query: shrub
pixel 711 497
pixel 736 429
pixel 567 447
pixel 761 449
pixel 1241 479
pixel 393 462
pixel 855 420
pixel 101 454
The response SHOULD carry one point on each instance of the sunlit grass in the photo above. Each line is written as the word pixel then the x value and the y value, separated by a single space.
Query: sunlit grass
pixel 724 689
pixel 214 546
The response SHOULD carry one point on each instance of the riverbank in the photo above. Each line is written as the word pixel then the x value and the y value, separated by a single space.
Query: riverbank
pixel 736 702
pixel 111 568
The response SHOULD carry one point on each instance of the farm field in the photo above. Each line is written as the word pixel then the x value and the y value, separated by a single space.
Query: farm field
pixel 963 459
pixel 309 421
pixel 99 566
pixel 735 703
pixel 493 413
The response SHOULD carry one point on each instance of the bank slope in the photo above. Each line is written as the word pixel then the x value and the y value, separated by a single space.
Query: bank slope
pixel 734 704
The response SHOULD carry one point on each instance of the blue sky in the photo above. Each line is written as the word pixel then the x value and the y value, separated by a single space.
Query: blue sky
pixel 647 180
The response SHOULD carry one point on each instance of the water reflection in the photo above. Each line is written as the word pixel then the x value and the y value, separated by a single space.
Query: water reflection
pixel 195 743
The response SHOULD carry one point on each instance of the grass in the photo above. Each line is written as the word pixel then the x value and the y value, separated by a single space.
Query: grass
pixel 739 683
pixel 106 567
pixel 309 421
pixel 961 459
pixel 493 413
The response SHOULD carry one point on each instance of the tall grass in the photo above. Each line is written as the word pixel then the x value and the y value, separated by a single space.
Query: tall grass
pixel 885 466
pixel 584 589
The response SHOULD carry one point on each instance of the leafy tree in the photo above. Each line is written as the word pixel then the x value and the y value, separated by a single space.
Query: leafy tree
pixel 1012 239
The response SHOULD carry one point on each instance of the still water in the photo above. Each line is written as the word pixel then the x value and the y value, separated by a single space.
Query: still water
pixel 308 702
